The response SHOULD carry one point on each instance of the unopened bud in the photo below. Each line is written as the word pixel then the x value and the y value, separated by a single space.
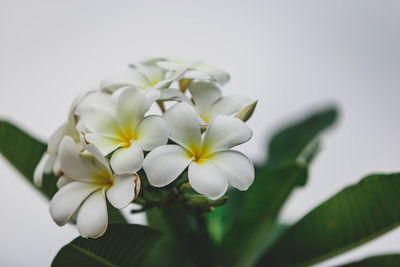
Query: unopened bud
pixel 245 112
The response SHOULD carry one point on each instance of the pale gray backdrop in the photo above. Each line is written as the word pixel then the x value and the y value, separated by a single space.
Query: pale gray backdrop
pixel 291 55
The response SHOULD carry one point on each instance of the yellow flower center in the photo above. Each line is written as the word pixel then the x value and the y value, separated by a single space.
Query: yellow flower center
pixel 199 154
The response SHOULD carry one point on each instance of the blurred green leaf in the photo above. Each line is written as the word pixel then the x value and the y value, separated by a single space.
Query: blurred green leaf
pixel 247 237
pixel 299 139
pixel 185 239
pixel 121 245
pixel 356 215
pixel 389 260
pixel 24 152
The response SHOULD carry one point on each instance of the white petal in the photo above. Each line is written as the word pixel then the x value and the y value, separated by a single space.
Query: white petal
pixel 152 96
pixel 95 152
pixel 207 179
pixel 127 77
pixel 131 107
pixel 68 199
pixel 152 132
pixel 204 95
pixel 184 124
pixel 105 144
pixel 101 121
pixel 92 218
pixel 124 190
pixel 151 71
pixel 217 74
pixel 164 164
pixel 171 94
pixel 63 180
pixel 73 164
pixel 225 132
pixel 56 166
pixel 228 105
pixel 94 99
pixel 56 137
pixel 127 160
pixel 40 169
pixel 237 167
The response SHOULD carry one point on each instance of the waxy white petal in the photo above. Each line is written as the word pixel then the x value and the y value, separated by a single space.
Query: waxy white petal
pixel 165 163
pixel 95 152
pixel 228 105
pixel 105 144
pixel 238 168
pixel 171 94
pixel 94 99
pixel 74 165
pixel 63 180
pixel 131 107
pixel 101 122
pixel 124 190
pixel 152 132
pixel 225 132
pixel 204 95
pixel 56 137
pixel 68 199
pixel 127 160
pixel 207 179
pixel 92 218
pixel 184 124
pixel 43 166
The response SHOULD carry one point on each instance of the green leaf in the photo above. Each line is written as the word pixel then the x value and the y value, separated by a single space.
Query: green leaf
pixel 388 260
pixel 258 213
pixel 24 152
pixel 121 245
pixel 185 239
pixel 299 139
pixel 354 216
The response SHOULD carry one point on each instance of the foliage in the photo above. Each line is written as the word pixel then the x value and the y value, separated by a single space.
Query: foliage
pixel 243 232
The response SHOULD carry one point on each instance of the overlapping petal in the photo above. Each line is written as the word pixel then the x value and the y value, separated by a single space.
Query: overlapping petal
pixel 74 164
pixel 207 179
pixel 124 190
pixel 225 132
pixel 68 199
pixel 92 218
pixel 127 160
pixel 165 163
pixel 152 132
pixel 184 124
pixel 131 107
pixel 229 105
pixel 237 167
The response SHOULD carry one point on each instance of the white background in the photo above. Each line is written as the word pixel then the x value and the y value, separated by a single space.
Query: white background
pixel 291 55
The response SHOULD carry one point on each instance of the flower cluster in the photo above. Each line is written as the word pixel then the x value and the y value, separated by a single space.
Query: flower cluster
pixel 110 136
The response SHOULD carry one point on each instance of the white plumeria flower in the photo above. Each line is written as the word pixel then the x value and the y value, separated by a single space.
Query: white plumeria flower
pixel 122 128
pixel 86 183
pixel 196 70
pixel 147 75
pixel 209 101
pixel 212 164
pixel 49 161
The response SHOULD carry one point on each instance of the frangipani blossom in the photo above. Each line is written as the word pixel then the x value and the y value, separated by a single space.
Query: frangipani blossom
pixel 212 163
pixel 122 129
pixel 147 75
pixel 86 183
pixel 209 101
pixel 49 161
pixel 196 70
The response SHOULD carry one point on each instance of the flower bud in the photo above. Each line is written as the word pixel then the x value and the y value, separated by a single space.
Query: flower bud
pixel 245 112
